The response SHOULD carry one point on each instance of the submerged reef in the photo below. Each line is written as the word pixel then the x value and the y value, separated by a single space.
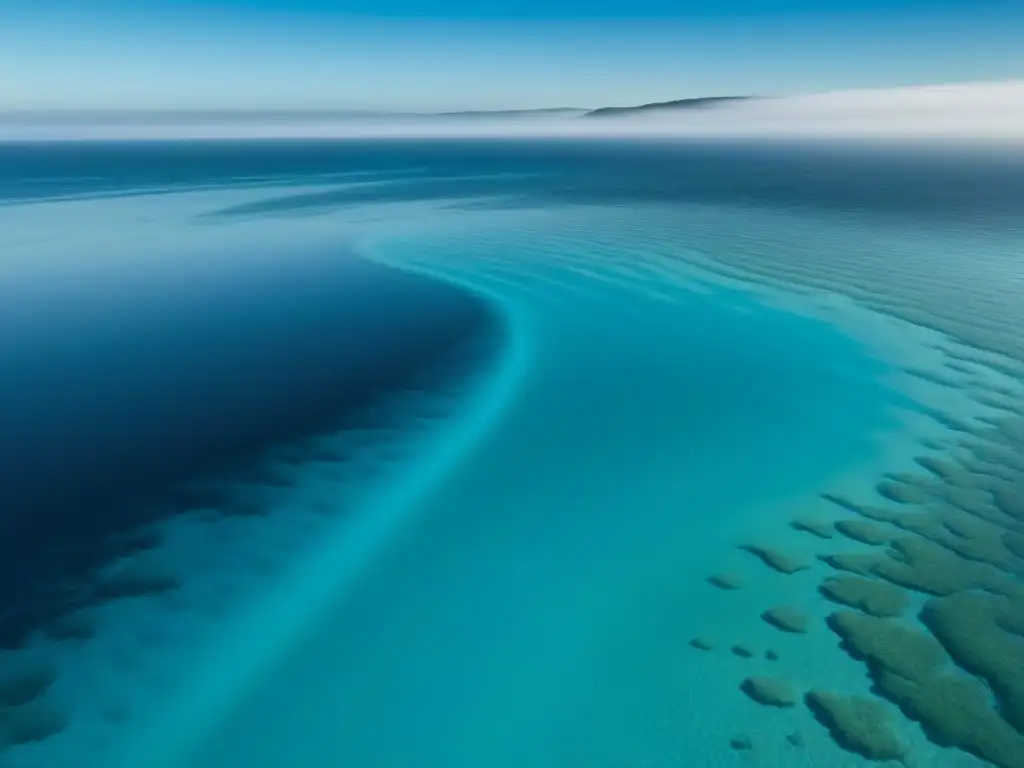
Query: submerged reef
pixel 775 559
pixel 959 552
pixel 741 742
pixel 950 539
pixel 883 643
pixel 770 691
pixel 922 565
pixel 912 670
pixel 727 581
pixel 864 531
pixel 858 724
pixel 812 526
pixel 902 492
pixel 968 626
pixel 871 596
pixel 954 518
pixel 851 562
pixel 786 618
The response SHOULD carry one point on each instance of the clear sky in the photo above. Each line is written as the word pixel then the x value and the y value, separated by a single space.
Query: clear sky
pixel 485 54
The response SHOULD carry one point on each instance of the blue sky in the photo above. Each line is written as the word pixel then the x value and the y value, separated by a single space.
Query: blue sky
pixel 474 54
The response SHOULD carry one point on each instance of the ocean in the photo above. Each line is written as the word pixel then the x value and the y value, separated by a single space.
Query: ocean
pixel 504 453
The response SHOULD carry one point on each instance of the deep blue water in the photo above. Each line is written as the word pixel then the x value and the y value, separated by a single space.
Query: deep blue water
pixel 476 401
pixel 116 389
pixel 902 179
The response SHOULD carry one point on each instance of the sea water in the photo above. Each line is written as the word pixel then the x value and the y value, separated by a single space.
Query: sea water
pixel 537 615
pixel 520 585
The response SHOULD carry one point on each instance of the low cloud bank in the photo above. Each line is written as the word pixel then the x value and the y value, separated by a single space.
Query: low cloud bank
pixel 961 110
pixel 967 110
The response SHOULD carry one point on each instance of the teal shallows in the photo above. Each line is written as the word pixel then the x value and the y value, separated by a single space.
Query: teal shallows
pixel 534 615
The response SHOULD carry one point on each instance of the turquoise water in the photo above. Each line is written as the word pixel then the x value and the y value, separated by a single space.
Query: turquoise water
pixel 418 455
pixel 538 611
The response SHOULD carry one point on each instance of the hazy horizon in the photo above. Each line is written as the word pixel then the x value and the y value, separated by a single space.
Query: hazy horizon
pixel 419 56
pixel 985 110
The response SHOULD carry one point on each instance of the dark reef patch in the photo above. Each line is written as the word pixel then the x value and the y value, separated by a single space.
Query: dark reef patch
pixel 858 724
pixel 726 581
pixel 770 691
pixel 872 596
pixel 919 564
pixel 775 559
pixel 863 564
pixel 911 669
pixel 962 680
pixel 968 627
pixel 787 619
pixel 814 527
pixel 902 492
pixel 741 743
pixel 864 532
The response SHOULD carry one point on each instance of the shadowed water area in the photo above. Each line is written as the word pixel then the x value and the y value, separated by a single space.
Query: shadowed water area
pixel 118 388
pixel 504 453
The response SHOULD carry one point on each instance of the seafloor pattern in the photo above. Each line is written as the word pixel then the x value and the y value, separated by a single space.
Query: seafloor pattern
pixel 922 568
pixel 944 541
pixel 866 605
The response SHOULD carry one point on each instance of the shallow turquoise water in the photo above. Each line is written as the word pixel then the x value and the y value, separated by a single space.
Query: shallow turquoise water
pixel 537 612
